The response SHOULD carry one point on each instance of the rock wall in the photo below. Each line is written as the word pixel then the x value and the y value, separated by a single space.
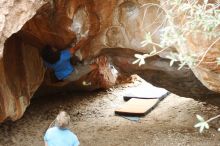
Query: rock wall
pixel 13 15
pixel 109 31
pixel 205 48
pixel 158 72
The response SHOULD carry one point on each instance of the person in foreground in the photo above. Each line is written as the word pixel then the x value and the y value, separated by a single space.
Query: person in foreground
pixel 60 135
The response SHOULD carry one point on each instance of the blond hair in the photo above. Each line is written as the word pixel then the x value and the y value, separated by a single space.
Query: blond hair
pixel 62 120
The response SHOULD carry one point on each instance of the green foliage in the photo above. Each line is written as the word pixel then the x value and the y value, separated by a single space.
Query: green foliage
pixel 148 39
pixel 183 59
pixel 202 124
pixel 218 60
pixel 173 58
pixel 175 2
pixel 140 59
pixel 202 18
pixel 194 18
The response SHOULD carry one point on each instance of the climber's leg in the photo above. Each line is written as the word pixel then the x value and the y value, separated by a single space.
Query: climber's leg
pixel 80 70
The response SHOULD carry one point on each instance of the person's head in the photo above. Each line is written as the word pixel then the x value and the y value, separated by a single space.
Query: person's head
pixel 62 120
pixel 49 55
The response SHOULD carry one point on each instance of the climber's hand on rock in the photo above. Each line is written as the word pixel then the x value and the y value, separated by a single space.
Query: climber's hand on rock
pixel 85 35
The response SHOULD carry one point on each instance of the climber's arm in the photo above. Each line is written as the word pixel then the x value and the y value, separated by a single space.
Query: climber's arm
pixel 79 45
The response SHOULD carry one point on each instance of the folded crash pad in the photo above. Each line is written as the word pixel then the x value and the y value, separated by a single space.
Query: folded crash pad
pixel 137 107
pixel 144 96
pixel 146 91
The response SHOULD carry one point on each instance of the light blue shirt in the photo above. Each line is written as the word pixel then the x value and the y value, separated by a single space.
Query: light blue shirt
pixel 60 137
pixel 62 68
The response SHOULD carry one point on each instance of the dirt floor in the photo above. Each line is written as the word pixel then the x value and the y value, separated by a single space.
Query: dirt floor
pixel 95 124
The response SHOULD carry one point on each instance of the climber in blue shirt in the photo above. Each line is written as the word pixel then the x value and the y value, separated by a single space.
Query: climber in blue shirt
pixel 60 63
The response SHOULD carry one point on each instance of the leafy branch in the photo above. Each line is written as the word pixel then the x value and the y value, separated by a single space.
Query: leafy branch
pixel 196 19
pixel 202 124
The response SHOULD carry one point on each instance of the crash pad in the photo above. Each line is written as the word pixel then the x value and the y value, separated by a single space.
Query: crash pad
pixel 137 107
pixel 146 91
pixel 143 96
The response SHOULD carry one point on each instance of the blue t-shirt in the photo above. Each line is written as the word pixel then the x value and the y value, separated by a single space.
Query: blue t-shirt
pixel 60 137
pixel 62 68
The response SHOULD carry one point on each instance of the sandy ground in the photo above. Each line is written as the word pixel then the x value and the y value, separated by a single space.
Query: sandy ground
pixel 95 124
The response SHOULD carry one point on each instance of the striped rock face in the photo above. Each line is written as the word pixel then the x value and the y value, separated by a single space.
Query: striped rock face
pixel 110 32
pixel 15 93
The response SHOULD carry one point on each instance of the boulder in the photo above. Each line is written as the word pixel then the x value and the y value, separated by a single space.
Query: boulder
pixel 14 72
